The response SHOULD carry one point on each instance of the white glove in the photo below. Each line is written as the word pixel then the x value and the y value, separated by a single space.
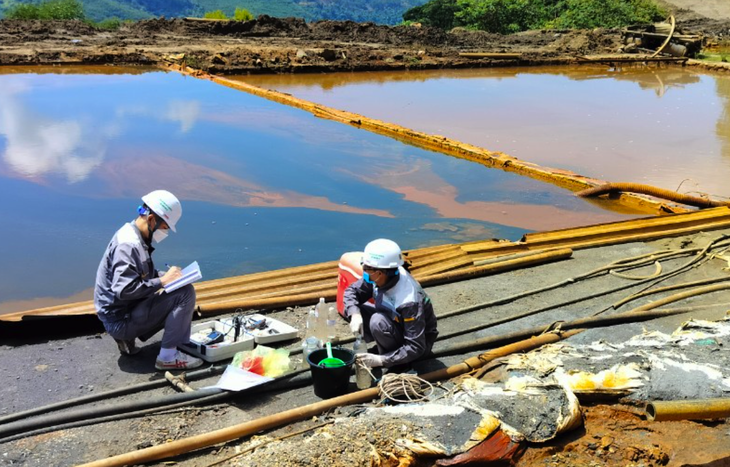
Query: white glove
pixel 356 324
pixel 370 360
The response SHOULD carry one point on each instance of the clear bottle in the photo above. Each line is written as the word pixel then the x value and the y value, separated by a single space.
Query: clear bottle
pixel 331 324
pixel 321 313
pixel 311 323
pixel 362 375
pixel 309 345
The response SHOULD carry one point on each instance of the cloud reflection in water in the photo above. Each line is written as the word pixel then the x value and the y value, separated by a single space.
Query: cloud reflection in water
pixel 37 146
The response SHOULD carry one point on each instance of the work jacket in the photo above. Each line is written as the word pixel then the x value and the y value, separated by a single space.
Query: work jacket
pixel 126 275
pixel 403 301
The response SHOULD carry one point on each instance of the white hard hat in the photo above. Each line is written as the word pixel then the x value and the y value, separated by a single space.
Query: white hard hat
pixel 164 204
pixel 382 254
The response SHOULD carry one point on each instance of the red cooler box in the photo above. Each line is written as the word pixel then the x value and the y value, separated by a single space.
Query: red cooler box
pixel 350 271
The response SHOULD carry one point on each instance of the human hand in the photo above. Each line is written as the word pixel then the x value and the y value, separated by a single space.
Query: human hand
pixel 356 324
pixel 173 273
pixel 370 360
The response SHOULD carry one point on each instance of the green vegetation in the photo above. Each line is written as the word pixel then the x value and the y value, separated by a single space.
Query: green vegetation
pixel 52 9
pixel 278 8
pixel 215 14
pixel 437 13
pixel 378 11
pixel 242 14
pixel 509 16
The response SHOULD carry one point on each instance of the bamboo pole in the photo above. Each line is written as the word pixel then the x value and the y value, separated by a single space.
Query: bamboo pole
pixel 182 446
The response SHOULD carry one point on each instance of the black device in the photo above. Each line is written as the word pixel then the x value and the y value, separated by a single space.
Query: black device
pixel 253 324
pixel 213 338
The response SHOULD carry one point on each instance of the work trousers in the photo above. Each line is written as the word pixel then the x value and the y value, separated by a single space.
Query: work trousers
pixel 171 311
pixel 387 335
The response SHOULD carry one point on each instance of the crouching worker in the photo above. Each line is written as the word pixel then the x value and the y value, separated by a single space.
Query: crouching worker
pixel 402 322
pixel 129 296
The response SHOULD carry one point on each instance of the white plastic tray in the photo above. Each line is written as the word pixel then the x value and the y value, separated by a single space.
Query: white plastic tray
pixel 221 350
pixel 281 331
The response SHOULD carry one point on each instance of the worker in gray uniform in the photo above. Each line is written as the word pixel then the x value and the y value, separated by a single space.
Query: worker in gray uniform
pixel 129 296
pixel 401 321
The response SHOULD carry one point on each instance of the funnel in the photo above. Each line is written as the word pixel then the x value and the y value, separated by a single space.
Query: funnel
pixel 330 361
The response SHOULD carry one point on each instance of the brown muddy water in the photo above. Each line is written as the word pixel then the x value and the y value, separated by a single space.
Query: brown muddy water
pixel 666 126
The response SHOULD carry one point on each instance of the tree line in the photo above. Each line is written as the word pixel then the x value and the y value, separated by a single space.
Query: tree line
pixel 510 16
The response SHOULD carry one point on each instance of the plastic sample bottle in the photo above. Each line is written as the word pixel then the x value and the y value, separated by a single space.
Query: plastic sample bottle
pixel 309 345
pixel 321 312
pixel 362 376
pixel 311 323
pixel 331 323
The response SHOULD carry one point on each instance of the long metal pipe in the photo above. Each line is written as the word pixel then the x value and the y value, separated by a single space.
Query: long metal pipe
pixel 300 413
pixel 703 409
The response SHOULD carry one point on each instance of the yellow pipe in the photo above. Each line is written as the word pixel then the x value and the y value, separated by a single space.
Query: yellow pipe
pixel 703 409
pixel 669 195
pixel 682 296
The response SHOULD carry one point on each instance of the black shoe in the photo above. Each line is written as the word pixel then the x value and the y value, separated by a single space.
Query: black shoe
pixel 127 347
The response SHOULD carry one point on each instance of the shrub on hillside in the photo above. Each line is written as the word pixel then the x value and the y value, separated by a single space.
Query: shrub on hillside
pixel 215 14
pixel 242 14
pixel 109 23
pixel 51 9
pixel 509 16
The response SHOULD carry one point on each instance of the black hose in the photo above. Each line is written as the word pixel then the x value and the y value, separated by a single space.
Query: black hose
pixel 95 415
pixel 160 383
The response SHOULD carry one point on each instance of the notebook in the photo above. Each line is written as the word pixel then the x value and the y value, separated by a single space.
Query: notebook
pixel 189 275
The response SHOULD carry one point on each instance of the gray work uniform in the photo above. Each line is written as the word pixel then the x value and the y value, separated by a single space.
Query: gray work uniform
pixel 126 293
pixel 402 322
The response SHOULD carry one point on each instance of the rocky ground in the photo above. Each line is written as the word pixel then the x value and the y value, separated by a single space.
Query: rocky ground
pixel 273 45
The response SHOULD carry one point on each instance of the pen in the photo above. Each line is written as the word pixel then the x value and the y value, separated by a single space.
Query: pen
pixel 167 266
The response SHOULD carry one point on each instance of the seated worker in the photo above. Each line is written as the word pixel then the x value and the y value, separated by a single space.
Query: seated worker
pixel 129 296
pixel 402 322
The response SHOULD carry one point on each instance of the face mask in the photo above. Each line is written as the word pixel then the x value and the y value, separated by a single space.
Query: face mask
pixel 366 278
pixel 159 235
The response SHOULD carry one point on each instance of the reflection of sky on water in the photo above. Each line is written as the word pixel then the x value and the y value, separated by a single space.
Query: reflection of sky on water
pixel 655 126
pixel 264 186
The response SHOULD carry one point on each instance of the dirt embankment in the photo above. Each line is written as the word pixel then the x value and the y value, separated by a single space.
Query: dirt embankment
pixel 274 45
